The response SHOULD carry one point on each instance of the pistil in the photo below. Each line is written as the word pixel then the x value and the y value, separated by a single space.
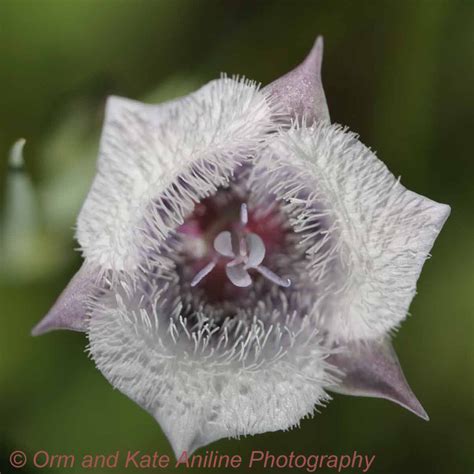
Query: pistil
pixel 242 250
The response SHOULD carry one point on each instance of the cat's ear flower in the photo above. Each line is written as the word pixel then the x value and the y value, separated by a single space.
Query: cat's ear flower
pixel 247 257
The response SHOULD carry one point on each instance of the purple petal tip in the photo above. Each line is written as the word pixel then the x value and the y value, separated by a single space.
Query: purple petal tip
pixel 300 92
pixel 373 370
pixel 69 310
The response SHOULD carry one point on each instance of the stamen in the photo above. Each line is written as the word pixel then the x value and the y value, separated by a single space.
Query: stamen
pixel 249 254
pixel 273 277
pixel 243 250
pixel 203 273
pixel 244 214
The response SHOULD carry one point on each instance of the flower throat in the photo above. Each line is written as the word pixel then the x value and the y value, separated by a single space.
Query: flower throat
pixel 226 243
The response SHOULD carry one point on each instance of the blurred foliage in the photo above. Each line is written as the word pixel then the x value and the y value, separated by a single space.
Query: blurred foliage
pixel 400 73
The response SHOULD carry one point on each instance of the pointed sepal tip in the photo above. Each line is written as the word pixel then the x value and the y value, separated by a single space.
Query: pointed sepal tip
pixel 372 369
pixel 300 92
pixel 70 309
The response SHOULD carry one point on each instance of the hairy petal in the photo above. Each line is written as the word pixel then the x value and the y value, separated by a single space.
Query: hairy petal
pixel 205 382
pixel 70 309
pixel 301 91
pixel 156 162
pixel 372 369
pixel 369 236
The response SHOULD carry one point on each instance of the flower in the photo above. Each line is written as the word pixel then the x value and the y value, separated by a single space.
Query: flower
pixel 243 256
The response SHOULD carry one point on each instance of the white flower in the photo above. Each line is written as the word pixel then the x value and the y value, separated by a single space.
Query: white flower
pixel 243 256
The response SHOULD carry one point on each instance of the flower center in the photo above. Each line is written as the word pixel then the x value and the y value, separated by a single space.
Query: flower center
pixel 241 250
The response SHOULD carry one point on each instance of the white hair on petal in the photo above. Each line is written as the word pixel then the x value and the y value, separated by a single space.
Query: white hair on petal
pixel 204 378
pixel 156 162
pixel 369 236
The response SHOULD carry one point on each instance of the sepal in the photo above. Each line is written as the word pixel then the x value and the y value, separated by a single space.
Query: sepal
pixel 70 309
pixel 372 369
pixel 300 92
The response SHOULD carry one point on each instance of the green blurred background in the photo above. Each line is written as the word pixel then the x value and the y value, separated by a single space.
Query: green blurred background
pixel 400 73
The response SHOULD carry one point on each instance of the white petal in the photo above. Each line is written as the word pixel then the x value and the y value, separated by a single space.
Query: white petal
pixel 199 393
pixel 256 250
pixel 367 237
pixel 238 275
pixel 223 244
pixel 156 162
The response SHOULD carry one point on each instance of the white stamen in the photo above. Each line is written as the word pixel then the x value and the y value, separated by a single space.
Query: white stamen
pixel 244 214
pixel 243 250
pixel 274 278
pixel 203 273
pixel 250 254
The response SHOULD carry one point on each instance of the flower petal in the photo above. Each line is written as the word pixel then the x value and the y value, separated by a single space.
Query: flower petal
pixel 301 90
pixel 70 309
pixel 367 236
pixel 156 162
pixel 203 384
pixel 372 370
